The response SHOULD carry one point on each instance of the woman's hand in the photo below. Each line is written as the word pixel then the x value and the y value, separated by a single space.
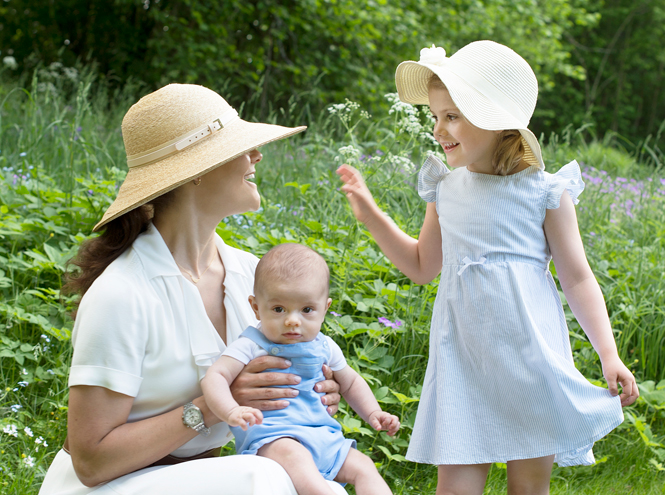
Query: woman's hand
pixel 615 372
pixel 361 200
pixel 331 388
pixel 259 390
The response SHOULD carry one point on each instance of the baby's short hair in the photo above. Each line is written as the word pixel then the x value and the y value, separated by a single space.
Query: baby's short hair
pixel 288 261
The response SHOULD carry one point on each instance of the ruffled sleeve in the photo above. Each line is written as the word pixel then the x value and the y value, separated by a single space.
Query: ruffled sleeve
pixel 431 173
pixel 568 178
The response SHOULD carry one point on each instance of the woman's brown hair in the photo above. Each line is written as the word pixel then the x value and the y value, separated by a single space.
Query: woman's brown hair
pixel 509 149
pixel 96 254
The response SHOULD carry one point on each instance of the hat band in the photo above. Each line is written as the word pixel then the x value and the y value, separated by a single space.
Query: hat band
pixel 182 142
pixel 471 76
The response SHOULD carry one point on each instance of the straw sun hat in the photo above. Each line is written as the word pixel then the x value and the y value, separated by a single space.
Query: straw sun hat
pixel 178 133
pixel 493 87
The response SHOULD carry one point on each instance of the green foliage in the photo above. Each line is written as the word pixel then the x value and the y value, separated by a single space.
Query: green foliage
pixel 621 87
pixel 57 180
pixel 596 61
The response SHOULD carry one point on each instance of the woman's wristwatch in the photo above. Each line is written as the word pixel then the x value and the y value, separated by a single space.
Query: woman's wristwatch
pixel 192 417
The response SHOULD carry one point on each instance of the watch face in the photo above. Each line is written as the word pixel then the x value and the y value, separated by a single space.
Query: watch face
pixel 193 417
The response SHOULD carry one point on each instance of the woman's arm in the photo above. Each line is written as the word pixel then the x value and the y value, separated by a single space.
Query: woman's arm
pixel 419 259
pixel 584 295
pixel 104 446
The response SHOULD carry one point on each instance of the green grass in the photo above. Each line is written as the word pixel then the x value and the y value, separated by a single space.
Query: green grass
pixel 61 157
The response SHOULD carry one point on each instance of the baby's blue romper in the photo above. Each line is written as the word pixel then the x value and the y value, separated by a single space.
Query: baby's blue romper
pixel 501 383
pixel 306 418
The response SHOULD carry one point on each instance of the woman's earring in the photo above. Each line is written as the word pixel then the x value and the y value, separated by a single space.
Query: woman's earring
pixel 197 181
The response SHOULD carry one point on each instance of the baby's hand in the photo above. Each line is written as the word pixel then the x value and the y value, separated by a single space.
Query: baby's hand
pixel 244 417
pixel 616 372
pixel 381 420
pixel 361 200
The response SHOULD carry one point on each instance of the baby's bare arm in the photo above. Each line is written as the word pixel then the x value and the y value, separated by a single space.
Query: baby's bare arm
pixel 217 392
pixel 359 396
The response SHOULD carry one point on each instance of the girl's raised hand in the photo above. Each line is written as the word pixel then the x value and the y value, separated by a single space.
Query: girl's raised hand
pixel 615 372
pixel 361 200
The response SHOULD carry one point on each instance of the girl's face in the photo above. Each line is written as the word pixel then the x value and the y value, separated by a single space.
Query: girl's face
pixel 464 144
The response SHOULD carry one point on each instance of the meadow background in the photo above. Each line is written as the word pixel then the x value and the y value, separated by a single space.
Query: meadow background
pixel 71 69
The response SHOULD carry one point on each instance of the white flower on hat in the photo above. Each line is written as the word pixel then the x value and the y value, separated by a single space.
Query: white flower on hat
pixel 433 56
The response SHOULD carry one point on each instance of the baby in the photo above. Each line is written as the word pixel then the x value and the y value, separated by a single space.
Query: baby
pixel 291 301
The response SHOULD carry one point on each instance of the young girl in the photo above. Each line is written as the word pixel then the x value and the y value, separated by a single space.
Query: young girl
pixel 501 385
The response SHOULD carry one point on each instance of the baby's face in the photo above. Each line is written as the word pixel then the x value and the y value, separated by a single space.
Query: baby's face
pixel 291 311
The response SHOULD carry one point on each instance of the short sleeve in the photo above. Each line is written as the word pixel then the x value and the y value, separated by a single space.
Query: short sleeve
pixel 568 178
pixel 431 173
pixel 110 336
pixel 337 360
pixel 244 350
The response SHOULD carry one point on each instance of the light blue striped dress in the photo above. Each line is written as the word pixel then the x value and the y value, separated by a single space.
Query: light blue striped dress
pixel 501 383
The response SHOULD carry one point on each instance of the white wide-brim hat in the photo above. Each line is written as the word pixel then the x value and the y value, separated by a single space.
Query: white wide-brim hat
pixel 493 87
pixel 178 133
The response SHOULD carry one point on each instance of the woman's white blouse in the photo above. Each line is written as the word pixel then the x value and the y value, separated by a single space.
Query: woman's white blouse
pixel 142 330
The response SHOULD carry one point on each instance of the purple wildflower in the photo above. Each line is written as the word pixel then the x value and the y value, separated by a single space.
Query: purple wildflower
pixel 335 313
pixel 389 323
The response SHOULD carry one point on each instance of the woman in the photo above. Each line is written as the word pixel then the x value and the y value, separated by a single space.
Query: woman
pixel 162 296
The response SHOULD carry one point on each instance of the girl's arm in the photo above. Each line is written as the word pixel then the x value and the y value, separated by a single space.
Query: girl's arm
pixel 217 393
pixel 104 446
pixel 584 295
pixel 419 259
pixel 359 396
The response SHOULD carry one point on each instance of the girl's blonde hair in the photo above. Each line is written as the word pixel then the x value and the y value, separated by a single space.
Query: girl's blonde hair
pixel 509 150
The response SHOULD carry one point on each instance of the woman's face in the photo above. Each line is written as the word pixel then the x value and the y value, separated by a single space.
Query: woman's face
pixel 231 186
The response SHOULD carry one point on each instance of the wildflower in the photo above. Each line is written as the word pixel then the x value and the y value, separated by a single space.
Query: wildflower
pixel 22 154
pixel 29 461
pixel 389 323
pixel 90 192
pixel 15 407
pixel 10 62
pixel 349 151
pixel 335 313
pixel 28 431
pixel 41 441
pixel 23 384
pixel 10 430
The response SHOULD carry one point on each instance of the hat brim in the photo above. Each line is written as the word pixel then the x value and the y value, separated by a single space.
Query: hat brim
pixel 146 182
pixel 412 79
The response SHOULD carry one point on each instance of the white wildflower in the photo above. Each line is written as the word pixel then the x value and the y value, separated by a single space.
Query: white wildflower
pixel 10 63
pixel 29 461
pixel 28 431
pixel 349 151
pixel 15 407
pixel 402 162
pixel 10 430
